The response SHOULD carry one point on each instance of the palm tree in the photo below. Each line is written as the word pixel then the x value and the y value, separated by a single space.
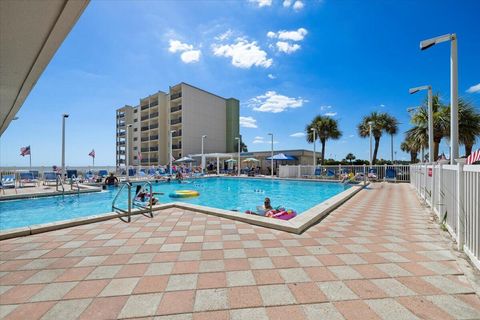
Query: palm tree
pixel 468 125
pixel 441 123
pixel 381 122
pixel 350 157
pixel 412 144
pixel 326 128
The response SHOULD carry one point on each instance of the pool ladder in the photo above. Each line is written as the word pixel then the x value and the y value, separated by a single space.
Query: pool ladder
pixel 131 202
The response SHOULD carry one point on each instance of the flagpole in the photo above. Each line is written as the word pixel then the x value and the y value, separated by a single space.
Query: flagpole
pixel 30 158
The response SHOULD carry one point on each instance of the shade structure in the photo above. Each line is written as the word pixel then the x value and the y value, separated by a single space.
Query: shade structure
pixel 251 160
pixel 185 160
pixel 231 160
pixel 281 156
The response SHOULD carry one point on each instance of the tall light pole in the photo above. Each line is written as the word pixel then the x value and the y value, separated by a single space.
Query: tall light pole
pixel 370 123
pixel 314 143
pixel 271 157
pixel 171 150
pixel 127 150
pixel 238 165
pixel 425 44
pixel 430 118
pixel 64 116
pixel 203 161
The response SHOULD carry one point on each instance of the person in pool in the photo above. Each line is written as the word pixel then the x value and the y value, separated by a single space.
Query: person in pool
pixel 266 204
pixel 143 196
pixel 111 180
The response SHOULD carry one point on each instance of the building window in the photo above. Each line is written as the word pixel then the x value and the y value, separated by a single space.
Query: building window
pixel 134 157
pixel 135 129
pixel 135 148
pixel 135 111
pixel 135 120
pixel 135 139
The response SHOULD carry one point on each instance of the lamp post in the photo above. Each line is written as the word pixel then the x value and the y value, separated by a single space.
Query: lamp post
pixel 271 157
pixel 430 118
pixel 370 123
pixel 314 153
pixel 171 150
pixel 203 161
pixel 425 44
pixel 238 165
pixel 64 116
pixel 127 151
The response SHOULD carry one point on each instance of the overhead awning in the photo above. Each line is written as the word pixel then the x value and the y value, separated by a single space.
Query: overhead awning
pixel 30 34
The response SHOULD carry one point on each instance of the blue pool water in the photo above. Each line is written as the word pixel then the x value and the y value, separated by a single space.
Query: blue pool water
pixel 222 193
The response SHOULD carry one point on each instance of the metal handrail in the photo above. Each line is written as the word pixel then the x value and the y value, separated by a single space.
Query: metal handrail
pixel 129 211
pixel 60 182
pixel 73 180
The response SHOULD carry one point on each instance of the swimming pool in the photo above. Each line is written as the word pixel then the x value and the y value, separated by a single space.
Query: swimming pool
pixel 223 193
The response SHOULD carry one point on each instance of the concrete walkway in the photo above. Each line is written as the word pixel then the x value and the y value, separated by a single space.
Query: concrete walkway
pixel 379 256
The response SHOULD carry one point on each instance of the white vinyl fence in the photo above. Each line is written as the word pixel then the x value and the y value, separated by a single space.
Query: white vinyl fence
pixel 453 193
pixel 402 172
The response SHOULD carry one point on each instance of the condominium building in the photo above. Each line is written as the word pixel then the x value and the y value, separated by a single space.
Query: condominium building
pixel 180 117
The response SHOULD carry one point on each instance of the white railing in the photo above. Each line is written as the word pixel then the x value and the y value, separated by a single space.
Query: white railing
pixel 401 172
pixel 453 193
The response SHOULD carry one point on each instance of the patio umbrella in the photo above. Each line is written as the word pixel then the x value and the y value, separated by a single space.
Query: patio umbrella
pixel 281 156
pixel 251 160
pixel 185 160
pixel 230 160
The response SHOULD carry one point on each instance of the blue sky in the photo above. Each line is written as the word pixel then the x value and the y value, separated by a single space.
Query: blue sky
pixel 286 61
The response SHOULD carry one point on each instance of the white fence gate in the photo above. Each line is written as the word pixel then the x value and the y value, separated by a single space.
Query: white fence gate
pixel 453 193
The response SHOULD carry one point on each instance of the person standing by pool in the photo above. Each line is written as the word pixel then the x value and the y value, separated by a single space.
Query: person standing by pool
pixel 111 180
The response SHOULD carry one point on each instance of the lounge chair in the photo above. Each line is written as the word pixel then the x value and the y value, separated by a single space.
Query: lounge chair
pixel 390 175
pixel 27 177
pixel 102 173
pixel 132 172
pixel 35 174
pixel 49 177
pixel 8 181
pixel 72 174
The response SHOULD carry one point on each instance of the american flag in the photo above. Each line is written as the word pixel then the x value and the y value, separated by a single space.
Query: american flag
pixel 139 156
pixel 25 151
pixel 474 157
pixel 92 153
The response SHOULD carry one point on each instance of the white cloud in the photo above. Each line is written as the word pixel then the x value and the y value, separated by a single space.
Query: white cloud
pixel 298 5
pixel 271 76
pixel 178 46
pixel 298 135
pixel 261 3
pixel 248 122
pixel 275 103
pixel 474 89
pixel 382 106
pixel 323 108
pixel 244 54
pixel 351 136
pixel 286 47
pixel 224 36
pixel 287 3
pixel 190 56
pixel 260 139
pixel 330 114
pixel 293 35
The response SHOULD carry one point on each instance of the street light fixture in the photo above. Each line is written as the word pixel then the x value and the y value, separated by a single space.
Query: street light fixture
pixel 425 44
pixel 203 159
pixel 271 157
pixel 171 150
pixel 64 116
pixel 314 151
pixel 430 118
pixel 238 164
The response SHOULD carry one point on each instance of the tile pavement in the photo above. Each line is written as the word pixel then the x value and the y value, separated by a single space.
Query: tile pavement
pixel 379 256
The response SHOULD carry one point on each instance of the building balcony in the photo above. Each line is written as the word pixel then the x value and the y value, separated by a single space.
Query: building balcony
pixel 154 137
pixel 121 152
pixel 153 104
pixel 121 115
pixel 121 143
pixel 177 133
pixel 121 161
pixel 153 148
pixel 176 121
pixel 175 109
pixel 144 107
pixel 121 134
pixel 176 146
pixel 121 124
pixel 175 96
pixel 144 139
pixel 154 126
pixel 144 118
pixel 144 128
pixel 154 115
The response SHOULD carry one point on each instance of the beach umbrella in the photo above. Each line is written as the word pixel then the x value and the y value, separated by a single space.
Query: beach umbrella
pixel 230 160
pixel 251 160
pixel 185 160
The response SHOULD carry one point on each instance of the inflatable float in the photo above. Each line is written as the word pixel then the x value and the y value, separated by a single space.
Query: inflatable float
pixel 184 194
pixel 280 213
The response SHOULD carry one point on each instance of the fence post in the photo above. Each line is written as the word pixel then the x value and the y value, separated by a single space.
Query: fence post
pixel 440 192
pixel 432 188
pixel 460 211
pixel 299 171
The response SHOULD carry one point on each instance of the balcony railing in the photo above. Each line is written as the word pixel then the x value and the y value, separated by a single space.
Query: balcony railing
pixel 176 146
pixel 175 96
pixel 144 128
pixel 177 133
pixel 121 133
pixel 154 126
pixel 121 161
pixel 153 115
pixel 121 143
pixel 175 109
pixel 153 104
pixel 153 137
pixel 144 107
pixel 144 139
pixel 121 115
pixel 176 121
pixel 144 118
pixel 121 124
pixel 122 152
pixel 144 149
pixel 153 148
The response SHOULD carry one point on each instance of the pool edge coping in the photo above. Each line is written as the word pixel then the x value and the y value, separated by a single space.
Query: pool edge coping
pixel 296 225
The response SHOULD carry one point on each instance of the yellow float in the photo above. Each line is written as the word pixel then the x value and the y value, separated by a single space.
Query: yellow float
pixel 184 194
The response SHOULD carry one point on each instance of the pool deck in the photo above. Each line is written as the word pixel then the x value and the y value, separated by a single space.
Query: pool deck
pixel 43 191
pixel 378 256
